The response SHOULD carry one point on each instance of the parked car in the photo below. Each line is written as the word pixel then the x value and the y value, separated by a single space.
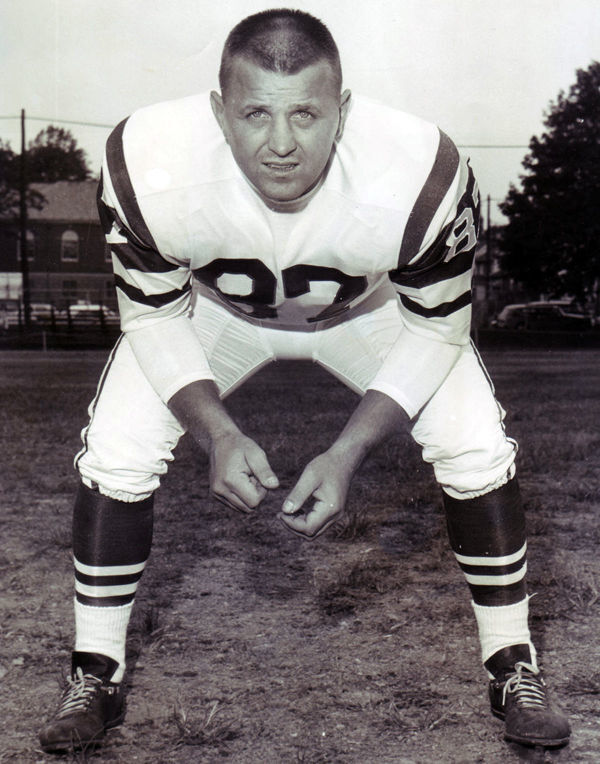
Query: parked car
pixel 92 314
pixel 542 316
pixel 43 312
pixel 40 313
pixel 9 314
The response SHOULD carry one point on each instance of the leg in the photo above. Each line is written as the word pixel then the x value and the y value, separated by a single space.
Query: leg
pixel 462 434
pixel 126 448
pixel 126 445
pixel 461 431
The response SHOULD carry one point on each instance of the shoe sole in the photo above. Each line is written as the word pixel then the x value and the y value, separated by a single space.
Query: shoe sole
pixel 77 744
pixel 552 743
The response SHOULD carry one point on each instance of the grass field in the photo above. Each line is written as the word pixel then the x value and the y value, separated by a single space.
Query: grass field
pixel 250 645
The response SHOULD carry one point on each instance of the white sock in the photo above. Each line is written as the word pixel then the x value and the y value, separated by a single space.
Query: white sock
pixel 503 626
pixel 103 630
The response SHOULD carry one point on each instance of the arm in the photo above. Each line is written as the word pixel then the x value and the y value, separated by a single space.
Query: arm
pixel 327 477
pixel 154 300
pixel 434 288
pixel 153 290
pixel 434 285
pixel 239 471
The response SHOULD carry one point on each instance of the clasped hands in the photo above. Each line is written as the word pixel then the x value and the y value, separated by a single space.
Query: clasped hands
pixel 240 477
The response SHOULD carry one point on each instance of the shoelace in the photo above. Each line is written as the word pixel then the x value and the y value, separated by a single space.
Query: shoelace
pixel 78 694
pixel 527 685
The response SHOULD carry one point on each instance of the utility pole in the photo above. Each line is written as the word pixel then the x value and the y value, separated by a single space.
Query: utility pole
pixel 23 225
pixel 488 254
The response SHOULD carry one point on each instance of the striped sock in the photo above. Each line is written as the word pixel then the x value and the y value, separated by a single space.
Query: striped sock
pixel 494 580
pixel 111 543
pixel 487 536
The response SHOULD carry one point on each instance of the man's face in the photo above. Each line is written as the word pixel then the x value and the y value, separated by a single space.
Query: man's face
pixel 281 127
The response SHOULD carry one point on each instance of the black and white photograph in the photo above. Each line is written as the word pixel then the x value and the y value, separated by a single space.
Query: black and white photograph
pixel 300 382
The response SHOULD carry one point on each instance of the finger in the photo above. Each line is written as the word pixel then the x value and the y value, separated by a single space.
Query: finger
pixel 261 469
pixel 307 484
pixel 312 524
pixel 249 491
pixel 244 494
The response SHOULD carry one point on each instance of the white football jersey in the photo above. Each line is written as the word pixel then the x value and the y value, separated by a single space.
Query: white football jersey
pixel 397 202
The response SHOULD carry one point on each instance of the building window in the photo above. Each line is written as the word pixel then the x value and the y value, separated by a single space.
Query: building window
pixel 30 247
pixel 69 289
pixel 69 246
pixel 107 254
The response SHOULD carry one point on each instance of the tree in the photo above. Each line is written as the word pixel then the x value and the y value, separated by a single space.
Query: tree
pixel 53 155
pixel 552 240
pixel 10 181
pixel 9 193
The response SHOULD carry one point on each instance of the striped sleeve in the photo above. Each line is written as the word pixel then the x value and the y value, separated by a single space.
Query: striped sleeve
pixel 154 293
pixel 433 280
pixel 434 272
pixel 149 287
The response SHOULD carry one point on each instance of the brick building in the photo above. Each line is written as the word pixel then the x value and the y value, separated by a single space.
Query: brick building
pixel 67 256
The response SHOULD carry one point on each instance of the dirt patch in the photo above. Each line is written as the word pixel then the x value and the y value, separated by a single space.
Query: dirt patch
pixel 249 645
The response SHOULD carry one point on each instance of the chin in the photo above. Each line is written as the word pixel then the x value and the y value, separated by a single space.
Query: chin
pixel 282 193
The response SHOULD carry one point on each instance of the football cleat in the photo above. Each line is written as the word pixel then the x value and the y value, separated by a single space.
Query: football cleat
pixel 518 696
pixel 89 705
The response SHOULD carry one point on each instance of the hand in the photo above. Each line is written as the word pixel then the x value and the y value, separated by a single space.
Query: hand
pixel 327 479
pixel 240 474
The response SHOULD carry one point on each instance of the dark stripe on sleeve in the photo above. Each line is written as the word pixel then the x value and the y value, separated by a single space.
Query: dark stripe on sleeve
pixel 439 311
pixel 153 300
pixel 435 188
pixel 83 578
pixel 142 259
pixel 442 271
pixel 106 219
pixel 119 175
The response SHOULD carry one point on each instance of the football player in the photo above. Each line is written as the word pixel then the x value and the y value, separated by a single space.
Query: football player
pixel 283 218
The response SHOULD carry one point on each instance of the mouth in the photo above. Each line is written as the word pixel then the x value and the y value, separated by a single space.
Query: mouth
pixel 281 168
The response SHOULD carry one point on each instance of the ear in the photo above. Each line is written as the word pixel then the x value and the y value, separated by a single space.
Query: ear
pixel 218 107
pixel 344 110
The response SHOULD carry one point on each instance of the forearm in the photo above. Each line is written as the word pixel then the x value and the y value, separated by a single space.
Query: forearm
pixel 376 418
pixel 414 369
pixel 200 410
pixel 170 355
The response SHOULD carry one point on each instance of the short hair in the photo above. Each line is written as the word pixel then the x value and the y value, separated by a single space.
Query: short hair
pixel 280 40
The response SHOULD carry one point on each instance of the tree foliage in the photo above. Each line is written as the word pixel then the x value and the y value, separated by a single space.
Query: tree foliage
pixel 54 155
pixel 10 180
pixel 552 240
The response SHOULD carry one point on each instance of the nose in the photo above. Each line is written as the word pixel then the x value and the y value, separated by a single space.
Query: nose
pixel 282 140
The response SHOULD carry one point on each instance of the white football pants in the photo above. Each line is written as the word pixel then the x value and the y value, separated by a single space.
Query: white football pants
pixel 131 433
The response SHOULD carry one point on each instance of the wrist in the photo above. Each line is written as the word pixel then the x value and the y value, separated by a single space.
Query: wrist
pixel 349 452
pixel 200 410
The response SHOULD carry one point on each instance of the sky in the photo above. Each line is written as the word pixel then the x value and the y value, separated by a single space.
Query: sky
pixel 485 71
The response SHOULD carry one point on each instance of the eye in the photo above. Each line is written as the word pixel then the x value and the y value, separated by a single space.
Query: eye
pixel 304 115
pixel 256 115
